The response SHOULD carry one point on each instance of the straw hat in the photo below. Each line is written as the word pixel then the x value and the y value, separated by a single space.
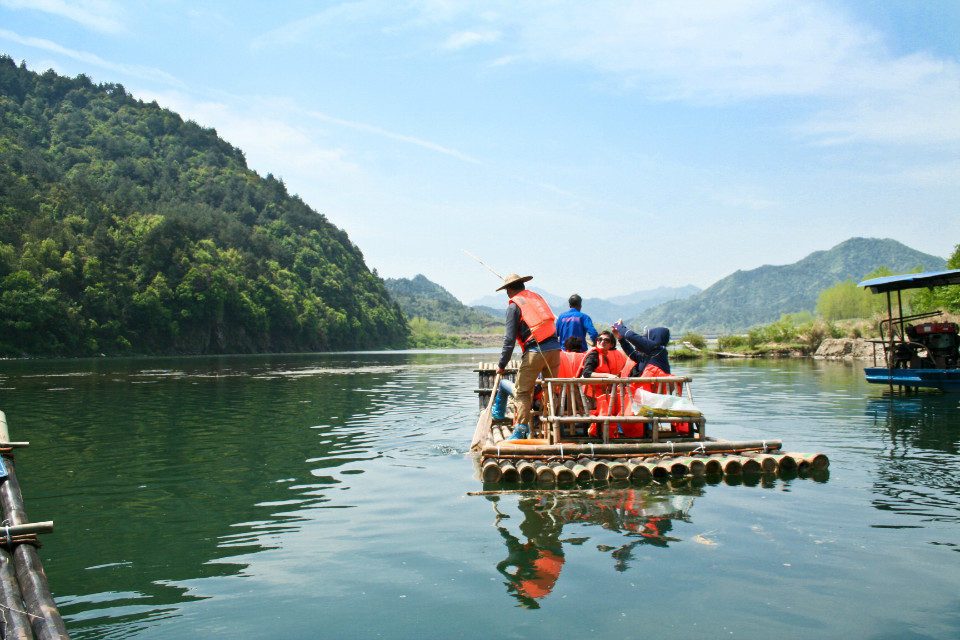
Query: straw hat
pixel 513 279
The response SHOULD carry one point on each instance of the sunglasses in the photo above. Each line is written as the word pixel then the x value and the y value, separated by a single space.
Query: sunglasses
pixel 599 340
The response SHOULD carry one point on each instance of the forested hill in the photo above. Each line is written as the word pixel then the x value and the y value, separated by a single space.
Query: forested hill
pixel 421 298
pixel 748 298
pixel 124 229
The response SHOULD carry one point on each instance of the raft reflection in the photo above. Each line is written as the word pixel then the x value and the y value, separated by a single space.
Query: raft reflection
pixel 535 555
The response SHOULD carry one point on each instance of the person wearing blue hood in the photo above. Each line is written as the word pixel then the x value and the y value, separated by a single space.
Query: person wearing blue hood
pixel 647 350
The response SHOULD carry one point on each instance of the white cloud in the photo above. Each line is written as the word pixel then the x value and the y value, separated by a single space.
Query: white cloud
pixel 465 39
pixel 840 71
pixel 426 144
pixel 136 71
pixel 99 15
pixel 327 24
pixel 270 142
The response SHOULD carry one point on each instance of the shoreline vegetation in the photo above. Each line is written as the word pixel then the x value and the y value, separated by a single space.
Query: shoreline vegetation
pixel 793 336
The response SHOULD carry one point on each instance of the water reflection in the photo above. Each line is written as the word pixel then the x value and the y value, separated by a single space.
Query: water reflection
pixel 179 470
pixel 919 465
pixel 535 557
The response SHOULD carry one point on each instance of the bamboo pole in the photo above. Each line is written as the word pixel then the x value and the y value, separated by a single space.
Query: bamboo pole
pixel 672 467
pixel 580 472
pixel 811 461
pixel 546 474
pixel 730 466
pixel 749 466
pixel 639 472
pixel 491 472
pixel 768 464
pixel 785 463
pixel 619 471
pixel 39 603
pixel 564 474
pixel 509 471
pixel 11 599
pixel 598 469
pixel 652 465
pixel 528 472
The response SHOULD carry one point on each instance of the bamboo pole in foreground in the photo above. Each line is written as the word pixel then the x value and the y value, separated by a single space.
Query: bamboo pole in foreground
pixel 39 603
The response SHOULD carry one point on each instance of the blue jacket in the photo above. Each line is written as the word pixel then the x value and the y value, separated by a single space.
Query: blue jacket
pixel 575 323
pixel 649 349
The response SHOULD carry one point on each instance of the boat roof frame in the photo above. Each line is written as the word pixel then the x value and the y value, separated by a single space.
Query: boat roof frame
pixel 912 281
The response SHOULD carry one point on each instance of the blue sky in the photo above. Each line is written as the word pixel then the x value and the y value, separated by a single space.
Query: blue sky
pixel 603 147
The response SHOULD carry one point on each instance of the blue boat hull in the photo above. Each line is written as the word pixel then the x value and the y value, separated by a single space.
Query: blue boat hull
pixel 946 379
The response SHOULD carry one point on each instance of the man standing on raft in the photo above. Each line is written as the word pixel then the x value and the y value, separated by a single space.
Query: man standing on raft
pixel 530 323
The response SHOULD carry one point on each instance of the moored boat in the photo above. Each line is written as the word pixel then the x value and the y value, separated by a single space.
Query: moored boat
pixel 918 352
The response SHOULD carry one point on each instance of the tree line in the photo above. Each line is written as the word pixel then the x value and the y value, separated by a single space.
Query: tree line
pixel 125 229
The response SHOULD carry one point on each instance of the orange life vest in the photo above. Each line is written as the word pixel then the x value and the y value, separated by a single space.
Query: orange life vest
pixel 536 314
pixel 612 361
pixel 571 362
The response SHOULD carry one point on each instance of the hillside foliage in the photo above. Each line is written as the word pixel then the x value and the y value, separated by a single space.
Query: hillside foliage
pixel 125 229
pixel 940 298
pixel 428 301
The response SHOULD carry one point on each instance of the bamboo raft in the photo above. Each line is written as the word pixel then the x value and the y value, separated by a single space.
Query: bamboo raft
pixel 566 454
pixel 27 606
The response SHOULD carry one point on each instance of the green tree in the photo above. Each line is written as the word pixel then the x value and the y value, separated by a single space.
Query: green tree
pixel 940 298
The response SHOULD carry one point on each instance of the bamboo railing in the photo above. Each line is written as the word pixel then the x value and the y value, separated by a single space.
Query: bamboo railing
pixel 567 404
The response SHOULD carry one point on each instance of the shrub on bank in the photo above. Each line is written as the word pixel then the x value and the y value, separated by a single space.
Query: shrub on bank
pixel 696 340
pixel 731 343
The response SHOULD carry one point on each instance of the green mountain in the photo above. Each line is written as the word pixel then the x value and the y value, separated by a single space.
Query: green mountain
pixel 124 229
pixel 421 298
pixel 748 298
pixel 601 311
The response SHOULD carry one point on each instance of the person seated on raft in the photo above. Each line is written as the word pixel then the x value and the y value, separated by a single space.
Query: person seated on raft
pixel 648 351
pixel 571 358
pixel 602 361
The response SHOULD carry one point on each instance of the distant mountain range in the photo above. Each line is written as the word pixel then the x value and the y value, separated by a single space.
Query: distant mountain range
pixel 749 298
pixel 734 304
pixel 601 311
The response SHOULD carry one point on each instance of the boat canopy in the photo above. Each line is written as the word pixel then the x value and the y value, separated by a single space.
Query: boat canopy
pixel 912 281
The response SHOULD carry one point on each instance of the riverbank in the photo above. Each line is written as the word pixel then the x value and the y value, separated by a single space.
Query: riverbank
pixel 828 349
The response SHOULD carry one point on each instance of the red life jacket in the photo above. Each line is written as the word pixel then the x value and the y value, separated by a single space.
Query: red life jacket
pixel 612 362
pixel 536 314
pixel 571 363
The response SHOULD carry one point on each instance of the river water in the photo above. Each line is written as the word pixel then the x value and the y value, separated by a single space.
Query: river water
pixel 329 496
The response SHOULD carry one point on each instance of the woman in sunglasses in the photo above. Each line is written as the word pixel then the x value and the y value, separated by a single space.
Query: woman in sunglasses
pixel 602 361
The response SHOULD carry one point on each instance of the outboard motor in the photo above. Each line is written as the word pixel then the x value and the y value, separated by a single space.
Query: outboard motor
pixel 940 339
